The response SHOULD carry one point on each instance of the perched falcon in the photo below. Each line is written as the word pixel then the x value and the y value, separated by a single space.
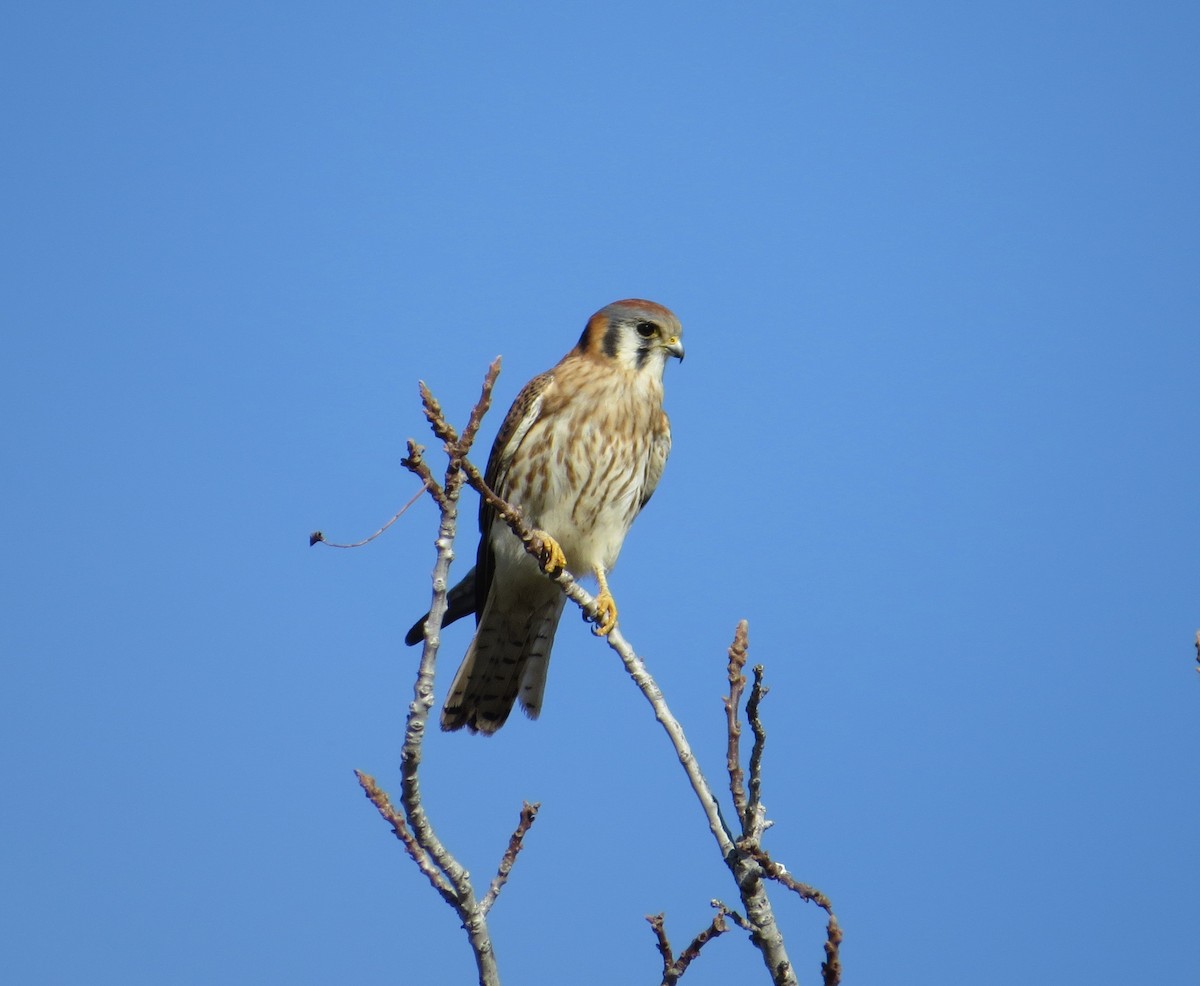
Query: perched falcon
pixel 580 452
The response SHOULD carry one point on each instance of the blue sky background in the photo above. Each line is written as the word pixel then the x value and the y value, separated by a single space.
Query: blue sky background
pixel 936 438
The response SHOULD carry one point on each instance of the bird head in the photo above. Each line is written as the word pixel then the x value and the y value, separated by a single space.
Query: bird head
pixel 635 334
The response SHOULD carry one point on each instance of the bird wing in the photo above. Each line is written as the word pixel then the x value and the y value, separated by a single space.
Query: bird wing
pixel 660 448
pixel 524 413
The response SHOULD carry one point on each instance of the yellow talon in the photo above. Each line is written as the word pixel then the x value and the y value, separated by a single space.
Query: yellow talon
pixel 606 607
pixel 550 556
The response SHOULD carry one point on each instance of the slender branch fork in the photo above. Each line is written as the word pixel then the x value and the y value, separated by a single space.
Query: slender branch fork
pixel 412 825
pixel 743 853
pixel 674 968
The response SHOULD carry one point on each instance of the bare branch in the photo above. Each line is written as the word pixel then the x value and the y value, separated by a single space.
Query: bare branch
pixel 754 811
pixel 515 844
pixel 380 800
pixel 746 872
pixel 637 670
pixel 674 968
pixel 733 757
pixel 433 413
pixel 415 463
pixel 414 829
pixel 658 923
pixel 418 709
pixel 831 968
pixel 715 928
pixel 481 408
pixel 778 872
pixel 740 921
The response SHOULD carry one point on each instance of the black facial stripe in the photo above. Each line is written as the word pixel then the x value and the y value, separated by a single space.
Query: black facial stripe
pixel 643 354
pixel 611 336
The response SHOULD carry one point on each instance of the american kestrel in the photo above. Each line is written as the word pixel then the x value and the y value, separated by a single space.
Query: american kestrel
pixel 580 452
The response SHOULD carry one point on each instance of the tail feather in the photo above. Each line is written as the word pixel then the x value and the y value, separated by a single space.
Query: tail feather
pixel 542 627
pixel 507 659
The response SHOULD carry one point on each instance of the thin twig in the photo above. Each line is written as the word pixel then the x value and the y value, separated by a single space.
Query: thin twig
pixel 318 538
pixel 383 804
pixel 715 928
pixel 415 463
pixel 754 810
pixel 415 829
pixel 482 406
pixel 637 670
pixel 658 924
pixel 740 921
pixel 733 725
pixel 777 871
pixel 674 968
pixel 418 709
pixel 831 968
pixel 515 844
pixel 433 412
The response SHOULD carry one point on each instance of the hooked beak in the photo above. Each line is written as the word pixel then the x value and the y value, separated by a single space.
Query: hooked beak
pixel 675 348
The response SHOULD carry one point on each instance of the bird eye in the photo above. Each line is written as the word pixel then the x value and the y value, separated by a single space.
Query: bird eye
pixel 646 329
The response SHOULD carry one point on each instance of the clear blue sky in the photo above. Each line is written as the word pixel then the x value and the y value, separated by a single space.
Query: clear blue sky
pixel 936 437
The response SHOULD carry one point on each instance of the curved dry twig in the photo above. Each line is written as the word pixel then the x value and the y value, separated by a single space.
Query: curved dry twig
pixel 318 537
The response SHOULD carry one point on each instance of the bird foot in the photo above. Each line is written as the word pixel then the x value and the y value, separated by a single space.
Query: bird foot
pixel 550 554
pixel 606 614
pixel 606 607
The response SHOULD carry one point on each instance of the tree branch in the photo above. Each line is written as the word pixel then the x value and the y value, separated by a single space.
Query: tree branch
pixel 831 968
pixel 515 844
pixel 674 968
pixel 658 924
pixel 380 800
pixel 733 726
pixel 755 817
pixel 414 828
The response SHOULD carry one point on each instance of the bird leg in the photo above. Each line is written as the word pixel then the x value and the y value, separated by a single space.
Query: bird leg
pixel 606 606
pixel 549 554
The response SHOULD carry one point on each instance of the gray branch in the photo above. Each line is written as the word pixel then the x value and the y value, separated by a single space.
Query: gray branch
pixel 413 827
